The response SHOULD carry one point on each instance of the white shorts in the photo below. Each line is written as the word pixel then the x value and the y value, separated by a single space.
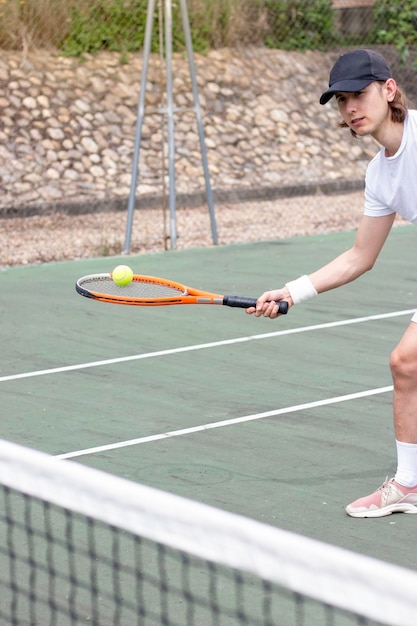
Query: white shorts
pixel 414 318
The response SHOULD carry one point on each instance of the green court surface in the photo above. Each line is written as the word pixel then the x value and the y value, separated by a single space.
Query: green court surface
pixel 284 421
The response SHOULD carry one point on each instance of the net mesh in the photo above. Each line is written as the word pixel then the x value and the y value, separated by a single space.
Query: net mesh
pixel 78 546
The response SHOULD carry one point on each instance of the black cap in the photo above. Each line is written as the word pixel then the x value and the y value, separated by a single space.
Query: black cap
pixel 353 71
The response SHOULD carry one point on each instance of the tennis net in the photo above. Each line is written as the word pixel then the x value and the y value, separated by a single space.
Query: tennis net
pixel 79 546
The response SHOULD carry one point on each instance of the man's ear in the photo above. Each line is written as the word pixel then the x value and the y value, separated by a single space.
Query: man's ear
pixel 390 89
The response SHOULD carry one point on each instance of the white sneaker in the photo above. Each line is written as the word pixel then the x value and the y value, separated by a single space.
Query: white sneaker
pixel 390 497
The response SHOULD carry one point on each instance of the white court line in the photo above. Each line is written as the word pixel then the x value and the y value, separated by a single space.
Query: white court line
pixel 223 423
pixel 203 346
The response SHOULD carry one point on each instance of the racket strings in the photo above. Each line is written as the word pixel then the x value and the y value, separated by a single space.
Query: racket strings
pixel 136 289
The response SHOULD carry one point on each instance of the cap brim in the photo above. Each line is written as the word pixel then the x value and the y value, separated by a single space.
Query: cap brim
pixel 345 85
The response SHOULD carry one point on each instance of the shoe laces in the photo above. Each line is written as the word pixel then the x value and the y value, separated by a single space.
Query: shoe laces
pixel 386 485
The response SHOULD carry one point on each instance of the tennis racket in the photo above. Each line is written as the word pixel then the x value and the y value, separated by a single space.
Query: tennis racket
pixel 154 291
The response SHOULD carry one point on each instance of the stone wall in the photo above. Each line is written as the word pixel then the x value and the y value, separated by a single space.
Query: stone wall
pixel 67 129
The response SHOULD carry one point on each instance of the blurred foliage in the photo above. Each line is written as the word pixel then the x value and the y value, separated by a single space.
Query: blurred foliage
pixel 396 23
pixel 77 27
pixel 299 24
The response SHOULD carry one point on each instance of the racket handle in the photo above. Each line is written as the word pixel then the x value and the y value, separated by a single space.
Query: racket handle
pixel 246 303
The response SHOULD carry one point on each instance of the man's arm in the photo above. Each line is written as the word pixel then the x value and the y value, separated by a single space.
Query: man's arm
pixel 370 238
pixel 345 268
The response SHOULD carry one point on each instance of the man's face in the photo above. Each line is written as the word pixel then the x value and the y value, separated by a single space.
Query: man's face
pixel 366 111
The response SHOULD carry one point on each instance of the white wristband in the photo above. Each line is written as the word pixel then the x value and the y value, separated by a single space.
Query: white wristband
pixel 301 289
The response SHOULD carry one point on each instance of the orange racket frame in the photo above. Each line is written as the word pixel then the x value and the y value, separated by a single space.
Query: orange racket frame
pixel 155 291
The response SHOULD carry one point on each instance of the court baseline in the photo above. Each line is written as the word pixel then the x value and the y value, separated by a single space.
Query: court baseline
pixel 223 423
pixel 203 346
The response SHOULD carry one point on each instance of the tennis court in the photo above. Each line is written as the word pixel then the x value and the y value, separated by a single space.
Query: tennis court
pixel 282 421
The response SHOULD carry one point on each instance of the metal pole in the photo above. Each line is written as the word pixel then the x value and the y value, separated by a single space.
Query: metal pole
pixel 189 46
pixel 140 116
pixel 170 121
pixel 161 18
pixel 170 114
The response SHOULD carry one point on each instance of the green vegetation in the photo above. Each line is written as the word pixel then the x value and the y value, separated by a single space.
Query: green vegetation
pixel 77 27
pixel 396 23
pixel 300 24
pixel 114 25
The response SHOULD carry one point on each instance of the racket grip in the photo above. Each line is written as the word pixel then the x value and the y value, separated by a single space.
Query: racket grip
pixel 246 303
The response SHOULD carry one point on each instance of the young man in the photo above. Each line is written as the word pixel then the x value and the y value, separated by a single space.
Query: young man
pixel 370 103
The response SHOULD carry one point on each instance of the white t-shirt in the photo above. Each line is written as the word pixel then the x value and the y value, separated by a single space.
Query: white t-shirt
pixel 391 182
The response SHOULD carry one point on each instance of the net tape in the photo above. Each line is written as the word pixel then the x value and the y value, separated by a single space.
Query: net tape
pixel 333 576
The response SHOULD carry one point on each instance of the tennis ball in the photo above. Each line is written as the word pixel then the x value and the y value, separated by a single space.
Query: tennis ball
pixel 122 275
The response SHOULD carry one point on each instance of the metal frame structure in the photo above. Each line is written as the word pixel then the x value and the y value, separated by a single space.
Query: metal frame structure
pixel 169 112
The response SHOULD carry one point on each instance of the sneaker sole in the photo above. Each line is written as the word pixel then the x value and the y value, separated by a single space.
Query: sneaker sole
pixel 387 510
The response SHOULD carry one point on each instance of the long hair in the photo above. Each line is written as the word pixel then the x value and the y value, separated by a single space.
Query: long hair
pixel 398 106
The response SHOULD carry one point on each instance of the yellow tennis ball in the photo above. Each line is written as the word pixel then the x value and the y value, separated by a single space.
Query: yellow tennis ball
pixel 122 275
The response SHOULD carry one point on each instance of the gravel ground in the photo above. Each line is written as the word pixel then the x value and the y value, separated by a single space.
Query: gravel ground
pixel 58 237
